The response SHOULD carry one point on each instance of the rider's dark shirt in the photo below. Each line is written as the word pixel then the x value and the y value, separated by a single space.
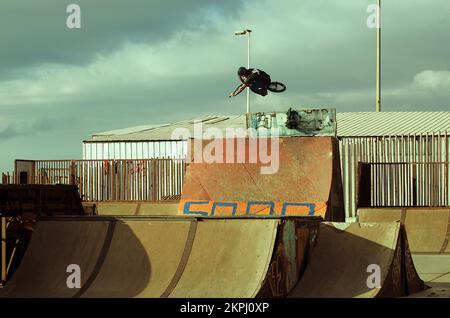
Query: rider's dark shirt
pixel 256 75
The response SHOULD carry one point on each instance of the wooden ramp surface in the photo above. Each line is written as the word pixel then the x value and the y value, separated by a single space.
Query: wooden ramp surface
pixel 231 258
pixel 342 255
pixel 306 179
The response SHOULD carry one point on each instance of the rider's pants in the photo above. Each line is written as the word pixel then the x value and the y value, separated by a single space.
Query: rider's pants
pixel 259 88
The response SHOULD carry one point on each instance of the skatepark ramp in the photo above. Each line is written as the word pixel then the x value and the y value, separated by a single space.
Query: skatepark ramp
pixel 20 206
pixel 128 208
pixel 428 228
pixel 153 257
pixel 250 223
pixel 212 257
pixel 428 231
pixel 306 180
pixel 344 255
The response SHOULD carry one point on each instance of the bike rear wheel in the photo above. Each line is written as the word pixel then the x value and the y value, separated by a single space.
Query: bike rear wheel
pixel 276 87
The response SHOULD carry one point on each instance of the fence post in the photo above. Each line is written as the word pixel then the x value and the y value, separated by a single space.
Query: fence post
pixel 72 172
pixel 414 181
pixel 3 248
pixel 154 180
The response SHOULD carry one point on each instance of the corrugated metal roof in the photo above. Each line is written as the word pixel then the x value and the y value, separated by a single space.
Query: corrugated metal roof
pixel 348 125
pixel 129 130
pixel 391 123
pixel 164 132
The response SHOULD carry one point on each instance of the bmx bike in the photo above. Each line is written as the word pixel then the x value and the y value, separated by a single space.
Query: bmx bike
pixel 276 87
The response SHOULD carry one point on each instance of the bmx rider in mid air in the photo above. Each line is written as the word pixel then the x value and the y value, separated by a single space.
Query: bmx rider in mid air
pixel 256 79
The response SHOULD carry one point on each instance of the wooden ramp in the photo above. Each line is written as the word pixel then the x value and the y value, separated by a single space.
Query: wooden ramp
pixel 343 253
pixel 195 257
pixel 306 180
pixel 428 228
pixel 130 208
pixel 146 257
pixel 20 206
pixel 53 247
pixel 428 231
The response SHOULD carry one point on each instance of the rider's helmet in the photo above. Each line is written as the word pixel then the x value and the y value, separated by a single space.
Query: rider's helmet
pixel 242 71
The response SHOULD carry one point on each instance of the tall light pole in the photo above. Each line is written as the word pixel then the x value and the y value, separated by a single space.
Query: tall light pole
pixel 246 32
pixel 378 101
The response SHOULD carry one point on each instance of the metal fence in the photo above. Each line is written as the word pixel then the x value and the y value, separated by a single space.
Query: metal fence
pixel 111 180
pixel 425 155
pixel 404 184
pixel 9 178
pixel 162 179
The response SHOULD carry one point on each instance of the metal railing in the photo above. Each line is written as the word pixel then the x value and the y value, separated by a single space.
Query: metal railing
pixel 8 178
pixel 112 180
pixel 404 184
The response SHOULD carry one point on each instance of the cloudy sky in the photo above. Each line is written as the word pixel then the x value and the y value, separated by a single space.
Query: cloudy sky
pixel 147 62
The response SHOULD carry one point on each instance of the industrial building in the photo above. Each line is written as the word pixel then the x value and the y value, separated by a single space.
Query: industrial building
pixel 373 137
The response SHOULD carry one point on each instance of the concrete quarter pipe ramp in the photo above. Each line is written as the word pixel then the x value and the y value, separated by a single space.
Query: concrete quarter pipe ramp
pixel 188 257
pixel 130 208
pixel 147 258
pixel 342 254
pixel 54 246
pixel 428 228
pixel 428 232
pixel 306 183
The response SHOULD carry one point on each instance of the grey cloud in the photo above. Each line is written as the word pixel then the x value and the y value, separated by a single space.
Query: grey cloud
pixel 321 49
pixel 16 129
pixel 35 32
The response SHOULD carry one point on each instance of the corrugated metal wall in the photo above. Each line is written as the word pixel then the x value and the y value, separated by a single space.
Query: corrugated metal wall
pixel 426 148
pixel 408 184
